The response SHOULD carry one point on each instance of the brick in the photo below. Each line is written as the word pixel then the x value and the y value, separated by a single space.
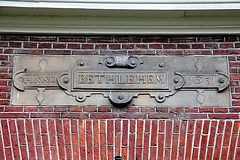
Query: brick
pixel 89 147
pixel 37 132
pixel 206 126
pixel 31 147
pixel 60 109
pixel 45 45
pixel 183 46
pixel 57 52
pixel 101 46
pixel 52 131
pixel 14 115
pixel 113 52
pixel 100 40
pixel 103 153
pixel 8 153
pixel 125 133
pixel 102 116
pixel 28 51
pixel 43 38
pixel 212 46
pixel 12 127
pixel 14 38
pixel 162 109
pixel 168 134
pixel 67 132
pixel 73 46
pixel 236 127
pixel 75 109
pixel 189 146
pixel 231 39
pixel 146 146
pixel 85 53
pixel 232 147
pixel 154 133
pixel 220 127
pixel 183 39
pixel 203 146
pixel 87 46
pixel 30 109
pixel 235 77
pixel 131 146
pixel 223 116
pixel 45 109
pixel 46 148
pixel 14 109
pixel 162 116
pixel 75 146
pixel 234 83
pixel 59 45
pixel 110 129
pixel 114 46
pixel 141 46
pixel 139 133
pixel 128 46
pixel 176 126
pixel 212 134
pixel 210 39
pixel 183 132
pixel 5 89
pixel 155 46
pixel 198 52
pixel 29 128
pixel 234 64
pixel 89 109
pixel 5 133
pixel 236 103
pixel 192 116
pixel 5 76
pixel 127 40
pixel 225 52
pixel 174 146
pixel 176 110
pixel 226 45
pixel 3 44
pixel 160 146
pixel 141 52
pixel 221 110
pixel 15 147
pixel 198 131
pixel 71 39
pixel 227 133
pixel 45 115
pixel 205 110
pixel 197 46
pixel 148 109
pixel 96 133
pixel 191 110
pixel 167 52
pixel 29 45
pixel 61 147
pixel 154 40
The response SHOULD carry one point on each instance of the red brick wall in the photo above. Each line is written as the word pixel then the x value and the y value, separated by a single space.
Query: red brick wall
pixel 102 132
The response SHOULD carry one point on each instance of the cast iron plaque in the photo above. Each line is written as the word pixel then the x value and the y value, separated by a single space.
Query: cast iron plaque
pixel 136 80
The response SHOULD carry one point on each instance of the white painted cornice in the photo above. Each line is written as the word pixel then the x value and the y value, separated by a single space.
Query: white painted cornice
pixel 120 16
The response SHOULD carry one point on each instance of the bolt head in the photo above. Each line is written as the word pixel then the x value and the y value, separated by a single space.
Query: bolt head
pixel 109 61
pixel 160 96
pixel 120 97
pixel 221 80
pixel 65 80
pixel 161 65
pixel 80 97
pixel 133 62
pixel 176 80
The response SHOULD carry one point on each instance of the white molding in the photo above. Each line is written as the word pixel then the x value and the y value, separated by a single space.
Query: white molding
pixel 166 17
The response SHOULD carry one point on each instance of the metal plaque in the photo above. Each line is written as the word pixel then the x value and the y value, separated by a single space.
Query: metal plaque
pixel 121 80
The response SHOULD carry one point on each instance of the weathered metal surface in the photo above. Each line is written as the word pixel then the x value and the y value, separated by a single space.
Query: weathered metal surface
pixel 122 80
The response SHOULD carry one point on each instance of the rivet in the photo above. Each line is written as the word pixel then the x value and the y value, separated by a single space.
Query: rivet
pixel 161 65
pixel 109 61
pixel 80 97
pixel 160 96
pixel 133 62
pixel 80 63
